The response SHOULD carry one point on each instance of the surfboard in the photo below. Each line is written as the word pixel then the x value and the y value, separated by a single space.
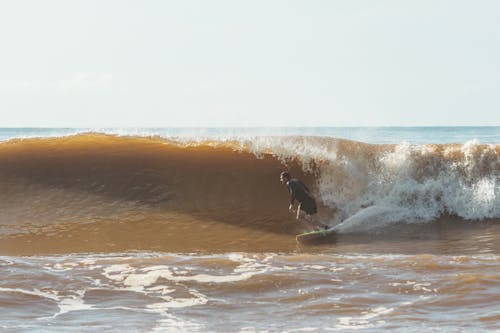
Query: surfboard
pixel 316 236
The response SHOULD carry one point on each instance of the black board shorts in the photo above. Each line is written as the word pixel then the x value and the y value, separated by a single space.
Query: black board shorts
pixel 309 206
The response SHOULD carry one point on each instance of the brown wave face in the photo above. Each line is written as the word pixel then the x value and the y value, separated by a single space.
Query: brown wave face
pixel 100 193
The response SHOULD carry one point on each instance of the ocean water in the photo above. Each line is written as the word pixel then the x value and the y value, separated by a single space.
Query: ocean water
pixel 396 135
pixel 188 230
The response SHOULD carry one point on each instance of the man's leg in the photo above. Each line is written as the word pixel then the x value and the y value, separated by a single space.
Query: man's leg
pixel 299 211
pixel 312 223
pixel 306 220
pixel 317 225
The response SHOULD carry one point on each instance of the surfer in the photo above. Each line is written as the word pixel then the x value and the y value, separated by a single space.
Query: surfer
pixel 307 204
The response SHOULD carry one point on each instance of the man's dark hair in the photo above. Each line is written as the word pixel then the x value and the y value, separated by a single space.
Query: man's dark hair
pixel 285 175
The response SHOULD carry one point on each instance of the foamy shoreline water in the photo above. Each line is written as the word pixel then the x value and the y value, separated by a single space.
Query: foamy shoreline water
pixel 244 292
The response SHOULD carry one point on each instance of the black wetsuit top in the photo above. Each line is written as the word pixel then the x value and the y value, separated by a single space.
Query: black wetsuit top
pixel 300 192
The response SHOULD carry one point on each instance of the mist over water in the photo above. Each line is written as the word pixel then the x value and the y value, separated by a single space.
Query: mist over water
pixel 175 230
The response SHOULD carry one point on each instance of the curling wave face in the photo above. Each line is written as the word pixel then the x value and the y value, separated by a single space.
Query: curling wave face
pixel 99 192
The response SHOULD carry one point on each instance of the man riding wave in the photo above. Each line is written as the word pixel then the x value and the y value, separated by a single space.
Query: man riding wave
pixel 307 205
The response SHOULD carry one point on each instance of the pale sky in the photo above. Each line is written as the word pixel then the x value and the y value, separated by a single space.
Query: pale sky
pixel 249 63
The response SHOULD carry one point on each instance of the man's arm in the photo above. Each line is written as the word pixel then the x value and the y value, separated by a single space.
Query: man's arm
pixel 291 188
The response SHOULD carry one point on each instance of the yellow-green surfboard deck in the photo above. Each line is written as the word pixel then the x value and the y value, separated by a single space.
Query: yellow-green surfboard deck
pixel 315 235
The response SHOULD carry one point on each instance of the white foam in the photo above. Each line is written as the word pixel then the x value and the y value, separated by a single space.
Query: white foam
pixel 58 267
pixel 117 272
pixel 172 324
pixel 163 289
pixel 363 321
pixel 140 280
pixel 65 304
pixel 412 183
pixel 315 267
pixel 73 303
pixel 172 302
pixel 423 286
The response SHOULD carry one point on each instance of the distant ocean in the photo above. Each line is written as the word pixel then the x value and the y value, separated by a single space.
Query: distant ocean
pixel 188 230
pixel 414 135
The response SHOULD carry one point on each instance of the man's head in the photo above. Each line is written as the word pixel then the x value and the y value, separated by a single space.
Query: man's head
pixel 285 177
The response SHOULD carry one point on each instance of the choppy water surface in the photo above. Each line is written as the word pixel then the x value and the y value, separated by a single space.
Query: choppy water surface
pixel 242 292
pixel 443 279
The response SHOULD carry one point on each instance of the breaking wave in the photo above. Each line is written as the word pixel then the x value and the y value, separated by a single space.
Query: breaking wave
pixel 106 192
